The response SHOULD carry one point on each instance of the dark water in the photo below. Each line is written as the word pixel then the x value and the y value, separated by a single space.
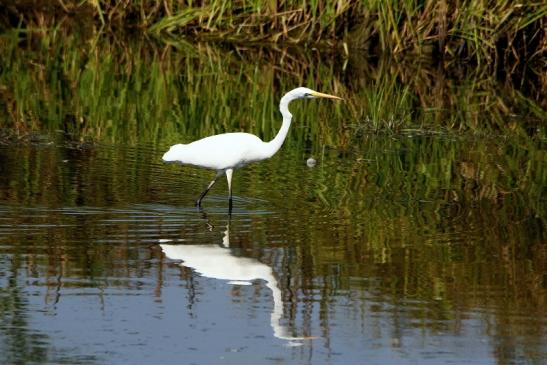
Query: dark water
pixel 406 249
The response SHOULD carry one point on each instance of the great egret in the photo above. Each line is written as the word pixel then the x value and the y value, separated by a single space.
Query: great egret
pixel 229 151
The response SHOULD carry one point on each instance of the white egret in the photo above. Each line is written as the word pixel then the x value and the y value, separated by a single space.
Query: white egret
pixel 229 151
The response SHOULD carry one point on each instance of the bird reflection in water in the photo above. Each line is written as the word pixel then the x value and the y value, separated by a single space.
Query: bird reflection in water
pixel 218 262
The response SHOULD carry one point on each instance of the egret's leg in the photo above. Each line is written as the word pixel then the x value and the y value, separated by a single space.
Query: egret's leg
pixel 229 173
pixel 202 195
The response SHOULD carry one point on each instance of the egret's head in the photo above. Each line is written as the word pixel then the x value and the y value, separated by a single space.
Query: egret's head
pixel 305 93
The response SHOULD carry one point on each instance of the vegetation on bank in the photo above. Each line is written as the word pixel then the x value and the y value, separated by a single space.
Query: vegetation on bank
pixel 74 66
pixel 103 91
pixel 500 32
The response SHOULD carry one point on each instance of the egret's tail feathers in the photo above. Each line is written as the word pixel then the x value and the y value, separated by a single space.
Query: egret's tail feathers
pixel 175 154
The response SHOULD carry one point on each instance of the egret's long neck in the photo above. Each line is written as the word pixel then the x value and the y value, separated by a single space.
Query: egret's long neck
pixel 275 144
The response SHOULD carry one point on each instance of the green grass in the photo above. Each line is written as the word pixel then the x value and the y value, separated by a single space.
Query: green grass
pixel 96 89
pixel 497 33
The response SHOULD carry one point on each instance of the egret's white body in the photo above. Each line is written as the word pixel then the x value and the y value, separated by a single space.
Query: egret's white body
pixel 213 152
pixel 229 151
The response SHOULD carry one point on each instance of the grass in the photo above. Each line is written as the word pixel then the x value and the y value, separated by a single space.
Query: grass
pixel 503 34
pixel 100 90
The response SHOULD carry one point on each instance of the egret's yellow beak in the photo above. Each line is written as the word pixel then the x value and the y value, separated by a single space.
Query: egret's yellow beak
pixel 321 95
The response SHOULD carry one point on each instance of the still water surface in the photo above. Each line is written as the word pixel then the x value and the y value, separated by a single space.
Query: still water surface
pixel 400 251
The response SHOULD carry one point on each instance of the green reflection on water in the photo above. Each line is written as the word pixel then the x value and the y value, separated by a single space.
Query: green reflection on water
pixel 426 241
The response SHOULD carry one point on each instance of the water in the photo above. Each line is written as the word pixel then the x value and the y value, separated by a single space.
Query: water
pixel 378 253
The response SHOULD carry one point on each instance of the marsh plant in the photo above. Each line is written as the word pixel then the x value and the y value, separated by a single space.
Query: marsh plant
pixel 500 32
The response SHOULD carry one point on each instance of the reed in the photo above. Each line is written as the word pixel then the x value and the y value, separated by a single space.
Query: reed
pixel 497 33
pixel 141 92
